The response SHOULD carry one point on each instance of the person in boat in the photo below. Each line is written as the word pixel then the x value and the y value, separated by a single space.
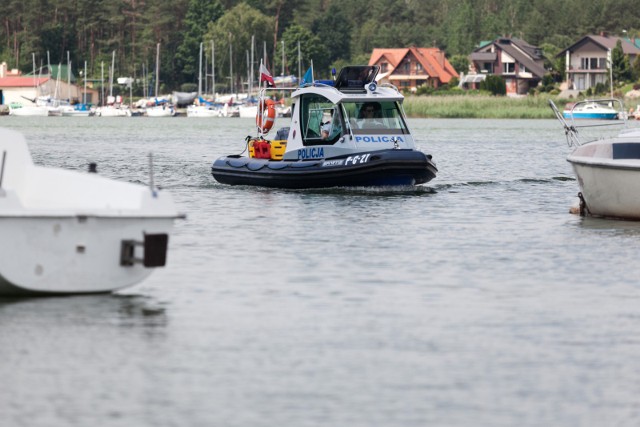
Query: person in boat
pixel 370 115
pixel 327 129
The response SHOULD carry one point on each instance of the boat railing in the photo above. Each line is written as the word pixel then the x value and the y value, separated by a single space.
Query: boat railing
pixel 574 138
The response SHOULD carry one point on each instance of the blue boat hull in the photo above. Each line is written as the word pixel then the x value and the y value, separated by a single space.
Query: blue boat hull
pixel 376 168
pixel 594 116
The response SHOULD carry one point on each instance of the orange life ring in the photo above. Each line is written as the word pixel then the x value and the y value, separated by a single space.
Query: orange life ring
pixel 266 116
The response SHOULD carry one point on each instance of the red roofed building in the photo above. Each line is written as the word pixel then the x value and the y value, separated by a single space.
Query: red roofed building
pixel 25 89
pixel 21 89
pixel 412 67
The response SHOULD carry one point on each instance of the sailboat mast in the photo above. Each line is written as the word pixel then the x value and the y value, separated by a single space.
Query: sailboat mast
pixel 157 68
pixel 113 71
pixel 253 38
pixel 84 94
pixel 200 72
pixel 35 81
pixel 213 70
pixel 102 82
pixel 69 76
pixel 248 76
pixel 299 68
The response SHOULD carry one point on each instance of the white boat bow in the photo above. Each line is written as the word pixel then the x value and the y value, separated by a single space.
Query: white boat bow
pixel 69 232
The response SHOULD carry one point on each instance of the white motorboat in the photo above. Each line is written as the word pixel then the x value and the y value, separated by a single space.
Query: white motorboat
pixel 31 110
pixel 203 111
pixel 594 110
pixel 248 111
pixel 67 232
pixel 113 111
pixel 607 170
pixel 162 110
pixel 77 110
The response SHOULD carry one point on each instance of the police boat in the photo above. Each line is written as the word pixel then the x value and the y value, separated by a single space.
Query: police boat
pixel 350 132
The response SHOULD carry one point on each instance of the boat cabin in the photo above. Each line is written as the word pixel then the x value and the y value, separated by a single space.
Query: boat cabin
pixel 352 114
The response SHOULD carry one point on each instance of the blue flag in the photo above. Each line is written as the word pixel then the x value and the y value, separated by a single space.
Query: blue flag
pixel 308 77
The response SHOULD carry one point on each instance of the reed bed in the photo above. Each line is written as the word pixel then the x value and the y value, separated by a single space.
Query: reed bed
pixel 480 107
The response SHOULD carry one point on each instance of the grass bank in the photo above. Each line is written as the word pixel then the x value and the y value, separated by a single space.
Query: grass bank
pixel 480 107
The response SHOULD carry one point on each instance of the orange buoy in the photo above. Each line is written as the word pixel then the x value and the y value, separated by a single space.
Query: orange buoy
pixel 266 116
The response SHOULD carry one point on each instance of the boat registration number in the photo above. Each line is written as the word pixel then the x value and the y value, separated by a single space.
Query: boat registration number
pixel 351 160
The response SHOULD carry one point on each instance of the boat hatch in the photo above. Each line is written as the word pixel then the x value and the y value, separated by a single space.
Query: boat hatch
pixel 154 248
pixel 354 78
pixel 626 150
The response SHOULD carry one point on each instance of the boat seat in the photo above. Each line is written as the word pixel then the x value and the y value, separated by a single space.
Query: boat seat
pixel 282 134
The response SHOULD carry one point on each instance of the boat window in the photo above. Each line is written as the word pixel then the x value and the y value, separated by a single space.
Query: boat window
pixel 320 120
pixel 375 117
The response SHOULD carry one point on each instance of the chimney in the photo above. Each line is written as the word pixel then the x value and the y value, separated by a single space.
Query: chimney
pixel 3 69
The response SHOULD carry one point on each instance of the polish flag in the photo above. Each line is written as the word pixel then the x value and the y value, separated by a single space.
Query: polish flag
pixel 265 76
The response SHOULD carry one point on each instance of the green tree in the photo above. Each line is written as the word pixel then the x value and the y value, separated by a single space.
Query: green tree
pixel 199 14
pixel 494 84
pixel 311 48
pixel 460 63
pixel 232 36
pixel 461 36
pixel 620 65
pixel 334 30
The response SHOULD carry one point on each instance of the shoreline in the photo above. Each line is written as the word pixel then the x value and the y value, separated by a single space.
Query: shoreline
pixel 480 107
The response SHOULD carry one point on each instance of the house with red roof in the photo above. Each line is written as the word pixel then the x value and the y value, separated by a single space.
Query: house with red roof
pixel 16 88
pixel 412 67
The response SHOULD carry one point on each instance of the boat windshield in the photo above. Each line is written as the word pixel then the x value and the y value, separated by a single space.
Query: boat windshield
pixel 321 120
pixel 375 117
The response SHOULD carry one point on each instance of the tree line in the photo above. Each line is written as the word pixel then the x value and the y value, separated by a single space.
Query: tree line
pixel 288 34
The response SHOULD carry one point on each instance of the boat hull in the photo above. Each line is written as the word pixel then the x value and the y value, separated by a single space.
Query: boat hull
pixel 72 254
pixel 593 116
pixel 609 190
pixel 377 168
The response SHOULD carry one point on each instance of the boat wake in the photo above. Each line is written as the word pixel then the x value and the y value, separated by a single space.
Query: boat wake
pixel 458 185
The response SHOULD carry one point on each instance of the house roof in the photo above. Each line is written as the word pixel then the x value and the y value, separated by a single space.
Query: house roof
pixel 22 81
pixel 484 56
pixel 432 59
pixel 535 68
pixel 523 52
pixel 605 42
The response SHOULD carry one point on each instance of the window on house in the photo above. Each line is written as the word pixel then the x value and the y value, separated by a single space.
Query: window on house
pixel 508 68
pixel 593 63
pixel 407 66
pixel 383 67
pixel 488 67
pixel 418 66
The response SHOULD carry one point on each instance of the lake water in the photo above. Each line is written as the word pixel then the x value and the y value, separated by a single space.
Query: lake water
pixel 474 300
